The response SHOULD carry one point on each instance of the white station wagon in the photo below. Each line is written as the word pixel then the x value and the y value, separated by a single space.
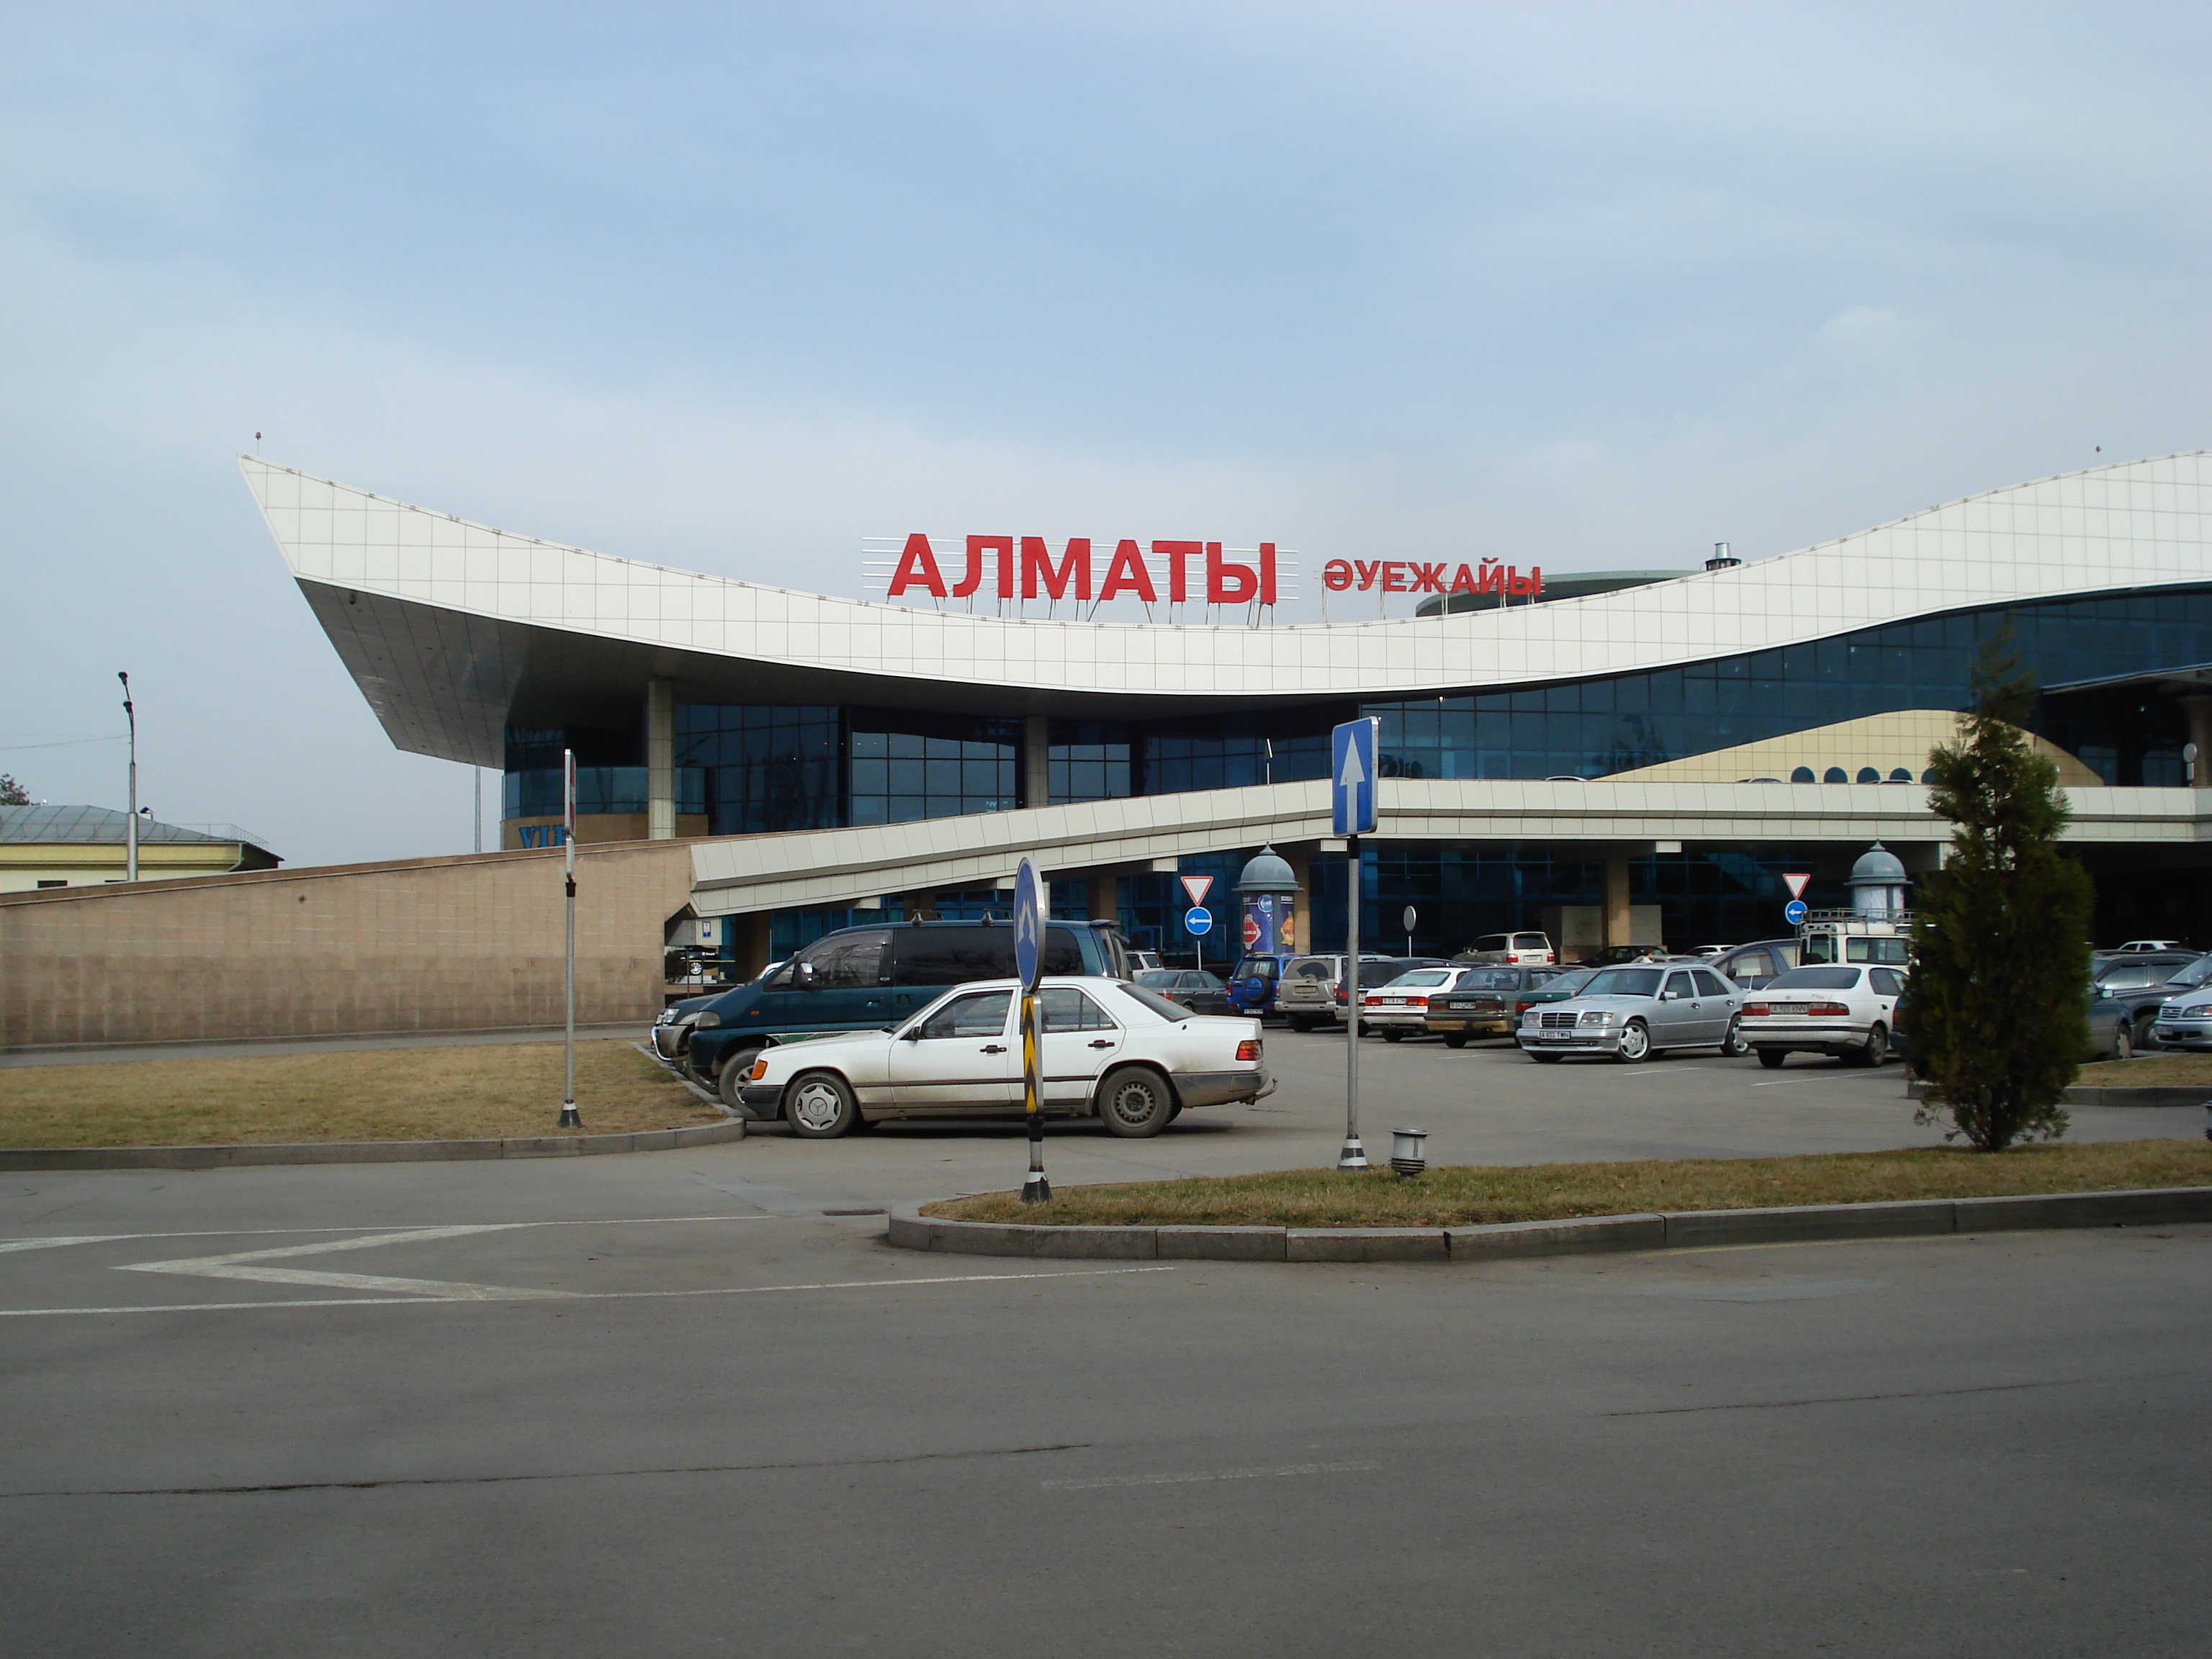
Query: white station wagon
pixel 1111 1050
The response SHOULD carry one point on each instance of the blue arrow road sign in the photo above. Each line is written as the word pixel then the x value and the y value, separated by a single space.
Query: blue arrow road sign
pixel 1794 912
pixel 1029 925
pixel 1196 922
pixel 1352 776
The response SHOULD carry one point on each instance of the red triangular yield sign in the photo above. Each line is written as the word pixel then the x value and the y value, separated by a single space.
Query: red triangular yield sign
pixel 1796 885
pixel 1196 886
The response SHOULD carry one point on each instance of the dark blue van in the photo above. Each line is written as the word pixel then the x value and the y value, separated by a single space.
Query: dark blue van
pixel 862 978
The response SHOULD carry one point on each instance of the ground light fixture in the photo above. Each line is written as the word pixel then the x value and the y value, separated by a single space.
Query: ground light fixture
pixel 1408 1152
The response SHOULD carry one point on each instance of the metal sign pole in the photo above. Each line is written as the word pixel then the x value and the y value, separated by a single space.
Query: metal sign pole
pixel 1028 962
pixel 568 1118
pixel 1353 1156
pixel 131 827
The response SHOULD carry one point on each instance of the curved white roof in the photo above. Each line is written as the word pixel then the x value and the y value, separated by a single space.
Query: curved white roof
pixel 2131 524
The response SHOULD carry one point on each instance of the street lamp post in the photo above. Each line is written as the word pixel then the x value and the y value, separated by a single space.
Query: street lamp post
pixel 130 830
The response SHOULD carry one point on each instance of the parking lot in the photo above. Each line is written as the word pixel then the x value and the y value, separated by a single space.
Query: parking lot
pixel 689 1403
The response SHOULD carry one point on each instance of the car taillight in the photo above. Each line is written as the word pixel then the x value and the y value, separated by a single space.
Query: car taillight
pixel 1829 1010
pixel 759 1070
pixel 1248 1049
pixel 1340 994
pixel 1756 1008
pixel 1523 1007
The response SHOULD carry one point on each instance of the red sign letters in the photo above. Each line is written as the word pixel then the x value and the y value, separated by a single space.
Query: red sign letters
pixel 1227 581
pixel 1397 576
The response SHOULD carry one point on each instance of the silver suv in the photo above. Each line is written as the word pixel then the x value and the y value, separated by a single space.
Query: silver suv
pixel 1308 994
pixel 1628 1013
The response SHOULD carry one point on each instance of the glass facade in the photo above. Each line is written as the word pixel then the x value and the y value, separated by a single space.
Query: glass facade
pixel 763 768
pixel 906 766
pixel 1589 728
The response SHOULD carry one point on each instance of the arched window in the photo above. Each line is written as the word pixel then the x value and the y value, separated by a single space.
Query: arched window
pixel 1835 775
pixel 1870 775
pixel 1900 775
pixel 1803 774
pixel 1929 776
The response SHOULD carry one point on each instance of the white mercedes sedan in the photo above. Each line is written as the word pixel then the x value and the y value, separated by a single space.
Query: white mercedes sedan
pixel 1111 1050
pixel 1840 1010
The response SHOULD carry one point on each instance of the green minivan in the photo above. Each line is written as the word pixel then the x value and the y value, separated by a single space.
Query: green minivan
pixel 858 979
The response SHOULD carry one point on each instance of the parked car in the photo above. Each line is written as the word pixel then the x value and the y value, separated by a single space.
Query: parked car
pixel 1109 1049
pixel 1567 982
pixel 1628 1014
pixel 871 979
pixel 2110 1029
pixel 1615 955
pixel 1837 1009
pixel 1511 949
pixel 1140 960
pixel 1254 981
pixel 1483 1001
pixel 1752 965
pixel 2138 947
pixel 2145 982
pixel 1399 1005
pixel 1191 987
pixel 1312 991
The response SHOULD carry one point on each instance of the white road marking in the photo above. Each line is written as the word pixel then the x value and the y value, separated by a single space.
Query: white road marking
pixel 241 1265
pixel 1098 1481
pixel 36 1242
pixel 53 1244
pixel 578 1295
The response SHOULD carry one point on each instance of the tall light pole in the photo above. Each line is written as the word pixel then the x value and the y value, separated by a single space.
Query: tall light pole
pixel 130 831
pixel 568 1118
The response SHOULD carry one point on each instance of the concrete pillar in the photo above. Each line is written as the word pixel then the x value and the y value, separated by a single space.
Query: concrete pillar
pixel 1300 859
pixel 660 760
pixel 1619 924
pixel 748 942
pixel 920 907
pixel 1036 773
pixel 2198 707
pixel 1101 900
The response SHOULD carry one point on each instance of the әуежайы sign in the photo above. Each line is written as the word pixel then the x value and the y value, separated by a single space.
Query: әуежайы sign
pixel 1406 576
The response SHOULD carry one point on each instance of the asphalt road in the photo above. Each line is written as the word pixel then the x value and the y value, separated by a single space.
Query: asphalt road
pixel 664 1404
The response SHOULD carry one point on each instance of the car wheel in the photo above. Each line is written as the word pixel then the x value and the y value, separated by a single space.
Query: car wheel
pixel 1457 1039
pixel 1392 1034
pixel 819 1106
pixel 1298 1024
pixel 2139 1034
pixel 2124 1046
pixel 1134 1102
pixel 1635 1043
pixel 1365 1030
pixel 1876 1049
pixel 1772 1058
pixel 1733 1044
pixel 1545 1059
pixel 733 1077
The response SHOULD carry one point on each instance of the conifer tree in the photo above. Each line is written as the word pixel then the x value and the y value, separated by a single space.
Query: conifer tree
pixel 2000 933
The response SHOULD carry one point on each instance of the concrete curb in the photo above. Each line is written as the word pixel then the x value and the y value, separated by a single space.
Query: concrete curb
pixel 363 1151
pixel 1687 1229
pixel 2195 1094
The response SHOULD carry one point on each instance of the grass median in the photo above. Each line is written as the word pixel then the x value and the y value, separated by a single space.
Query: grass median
pixel 1466 1196
pixel 473 1091
pixel 2160 1070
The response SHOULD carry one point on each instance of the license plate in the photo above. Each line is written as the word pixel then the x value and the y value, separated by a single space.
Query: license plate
pixel 1789 1007
pixel 1554 1036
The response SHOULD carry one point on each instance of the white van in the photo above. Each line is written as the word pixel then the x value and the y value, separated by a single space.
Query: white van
pixel 1514 949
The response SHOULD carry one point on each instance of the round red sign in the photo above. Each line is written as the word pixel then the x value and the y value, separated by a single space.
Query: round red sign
pixel 1252 930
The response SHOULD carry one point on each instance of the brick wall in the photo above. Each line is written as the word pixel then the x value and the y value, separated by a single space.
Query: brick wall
pixel 450 943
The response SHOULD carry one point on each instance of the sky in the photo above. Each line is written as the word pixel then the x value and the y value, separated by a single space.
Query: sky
pixel 734 288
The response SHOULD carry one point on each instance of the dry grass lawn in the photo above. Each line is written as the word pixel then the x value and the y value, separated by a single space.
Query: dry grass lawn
pixel 464 1092
pixel 2158 1071
pixel 1465 1196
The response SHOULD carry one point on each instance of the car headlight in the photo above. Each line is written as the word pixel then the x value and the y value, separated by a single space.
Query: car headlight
pixel 1532 1018
pixel 2195 1010
pixel 706 1020
pixel 1597 1016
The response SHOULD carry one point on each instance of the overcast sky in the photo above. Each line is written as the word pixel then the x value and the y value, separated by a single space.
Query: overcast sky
pixel 732 288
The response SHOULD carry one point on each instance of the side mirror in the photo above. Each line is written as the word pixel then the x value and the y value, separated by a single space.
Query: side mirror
pixel 912 1034
pixel 803 973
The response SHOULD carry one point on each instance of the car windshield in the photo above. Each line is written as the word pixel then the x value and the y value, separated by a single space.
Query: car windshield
pixel 1151 999
pixel 1814 979
pixel 2196 974
pixel 1418 978
pixel 1313 967
pixel 1159 979
pixel 1624 982
pixel 1489 979
pixel 1571 983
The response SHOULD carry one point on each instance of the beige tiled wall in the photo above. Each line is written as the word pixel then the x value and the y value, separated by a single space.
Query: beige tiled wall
pixel 430 944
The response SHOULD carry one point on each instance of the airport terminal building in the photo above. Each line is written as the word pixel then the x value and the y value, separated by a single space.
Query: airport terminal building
pixel 1605 758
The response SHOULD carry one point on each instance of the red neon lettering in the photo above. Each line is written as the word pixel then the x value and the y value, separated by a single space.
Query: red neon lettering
pixel 1177 553
pixel 917 568
pixel 1492 578
pixel 1036 566
pixel 1336 575
pixel 1394 577
pixel 1266 573
pixel 1126 571
pixel 1366 569
pixel 1463 583
pixel 1227 583
pixel 1428 579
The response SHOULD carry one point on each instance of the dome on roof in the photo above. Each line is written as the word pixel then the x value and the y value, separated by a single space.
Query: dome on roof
pixel 1878 863
pixel 1268 872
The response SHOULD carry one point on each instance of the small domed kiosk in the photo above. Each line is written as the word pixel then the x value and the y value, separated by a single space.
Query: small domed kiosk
pixel 1878 882
pixel 1268 895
